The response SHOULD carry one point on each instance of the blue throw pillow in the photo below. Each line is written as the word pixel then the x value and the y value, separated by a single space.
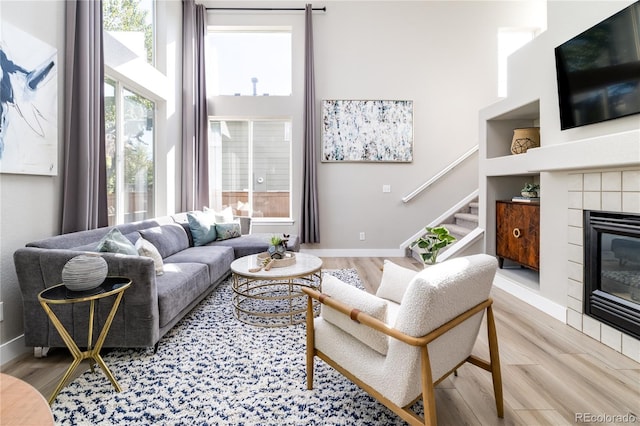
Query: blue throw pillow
pixel 202 226
pixel 115 242
pixel 228 230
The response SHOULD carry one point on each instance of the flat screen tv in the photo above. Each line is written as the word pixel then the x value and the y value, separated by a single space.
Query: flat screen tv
pixel 598 71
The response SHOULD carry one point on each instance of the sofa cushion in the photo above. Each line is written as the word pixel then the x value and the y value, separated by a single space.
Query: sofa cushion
pixel 361 300
pixel 203 227
pixel 218 259
pixel 145 248
pixel 181 284
pixel 168 239
pixel 395 280
pixel 115 242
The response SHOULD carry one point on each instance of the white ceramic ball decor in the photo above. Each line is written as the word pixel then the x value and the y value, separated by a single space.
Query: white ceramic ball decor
pixel 84 272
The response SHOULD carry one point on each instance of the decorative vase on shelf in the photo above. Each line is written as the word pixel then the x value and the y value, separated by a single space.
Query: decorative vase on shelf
pixel 84 272
pixel 525 138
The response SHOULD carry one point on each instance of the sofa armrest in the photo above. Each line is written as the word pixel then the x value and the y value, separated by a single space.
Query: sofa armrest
pixel 136 322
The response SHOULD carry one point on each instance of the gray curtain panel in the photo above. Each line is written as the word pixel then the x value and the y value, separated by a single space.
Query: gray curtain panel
pixel 84 204
pixel 195 116
pixel 310 221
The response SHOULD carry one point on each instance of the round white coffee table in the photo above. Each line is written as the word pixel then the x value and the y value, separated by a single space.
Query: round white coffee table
pixel 274 298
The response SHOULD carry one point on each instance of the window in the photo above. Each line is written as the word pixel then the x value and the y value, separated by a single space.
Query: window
pixel 249 61
pixel 131 23
pixel 510 40
pixel 129 149
pixel 130 109
pixel 250 166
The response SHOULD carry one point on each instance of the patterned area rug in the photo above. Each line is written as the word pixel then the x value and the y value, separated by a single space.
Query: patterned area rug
pixel 212 369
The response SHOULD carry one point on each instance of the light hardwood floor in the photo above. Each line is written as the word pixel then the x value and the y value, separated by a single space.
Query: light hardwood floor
pixel 552 374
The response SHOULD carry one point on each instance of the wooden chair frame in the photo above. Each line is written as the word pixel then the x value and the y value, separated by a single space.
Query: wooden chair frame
pixel 428 392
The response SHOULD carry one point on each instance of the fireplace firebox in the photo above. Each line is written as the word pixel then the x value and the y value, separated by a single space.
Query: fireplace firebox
pixel 612 269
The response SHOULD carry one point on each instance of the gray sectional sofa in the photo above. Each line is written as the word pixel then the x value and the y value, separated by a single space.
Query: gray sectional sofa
pixel 154 303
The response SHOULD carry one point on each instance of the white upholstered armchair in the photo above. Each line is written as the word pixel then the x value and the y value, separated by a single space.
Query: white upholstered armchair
pixel 418 328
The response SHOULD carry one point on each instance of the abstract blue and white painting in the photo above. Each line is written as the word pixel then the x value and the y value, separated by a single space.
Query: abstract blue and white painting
pixel 374 130
pixel 28 103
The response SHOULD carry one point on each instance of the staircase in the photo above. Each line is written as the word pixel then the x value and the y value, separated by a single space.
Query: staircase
pixel 462 223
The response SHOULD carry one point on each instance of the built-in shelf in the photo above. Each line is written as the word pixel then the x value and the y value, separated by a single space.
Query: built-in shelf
pixel 520 164
pixel 504 174
pixel 499 128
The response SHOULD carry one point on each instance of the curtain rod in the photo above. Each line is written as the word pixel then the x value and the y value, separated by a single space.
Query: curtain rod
pixel 324 9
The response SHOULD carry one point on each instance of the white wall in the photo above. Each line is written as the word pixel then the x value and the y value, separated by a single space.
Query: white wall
pixel 443 56
pixel 29 205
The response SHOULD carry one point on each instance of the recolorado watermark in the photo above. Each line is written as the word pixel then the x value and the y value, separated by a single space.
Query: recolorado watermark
pixel 606 418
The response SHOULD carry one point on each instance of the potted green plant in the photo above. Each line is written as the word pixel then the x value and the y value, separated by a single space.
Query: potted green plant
pixel 432 242
pixel 278 247
pixel 530 190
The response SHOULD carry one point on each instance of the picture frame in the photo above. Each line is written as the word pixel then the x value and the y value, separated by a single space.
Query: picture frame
pixel 367 131
pixel 29 104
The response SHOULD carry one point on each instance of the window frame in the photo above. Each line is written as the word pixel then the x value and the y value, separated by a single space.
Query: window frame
pixel 268 29
pixel 120 191
pixel 252 119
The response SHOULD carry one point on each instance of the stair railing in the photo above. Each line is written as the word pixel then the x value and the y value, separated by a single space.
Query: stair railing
pixel 440 174
pixel 438 221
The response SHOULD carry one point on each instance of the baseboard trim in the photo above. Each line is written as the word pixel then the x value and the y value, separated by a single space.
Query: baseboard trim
pixel 355 252
pixel 528 296
pixel 12 349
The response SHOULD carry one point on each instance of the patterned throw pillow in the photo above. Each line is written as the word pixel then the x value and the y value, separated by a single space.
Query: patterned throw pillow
pixel 115 242
pixel 228 230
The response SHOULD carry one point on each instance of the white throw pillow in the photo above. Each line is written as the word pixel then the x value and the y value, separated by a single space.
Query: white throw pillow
pixel 361 300
pixel 395 280
pixel 145 248
pixel 223 216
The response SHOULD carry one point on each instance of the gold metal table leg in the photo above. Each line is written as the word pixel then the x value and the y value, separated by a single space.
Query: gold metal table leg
pixel 92 354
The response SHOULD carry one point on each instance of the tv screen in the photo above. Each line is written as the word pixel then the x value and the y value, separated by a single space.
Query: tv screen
pixel 598 71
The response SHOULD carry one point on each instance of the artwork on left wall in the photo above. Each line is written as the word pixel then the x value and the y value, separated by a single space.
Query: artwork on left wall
pixel 28 103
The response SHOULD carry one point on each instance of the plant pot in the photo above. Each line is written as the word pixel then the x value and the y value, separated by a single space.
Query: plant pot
pixel 277 252
pixel 529 194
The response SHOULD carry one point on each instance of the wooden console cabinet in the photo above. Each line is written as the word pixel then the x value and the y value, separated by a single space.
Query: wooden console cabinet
pixel 518 233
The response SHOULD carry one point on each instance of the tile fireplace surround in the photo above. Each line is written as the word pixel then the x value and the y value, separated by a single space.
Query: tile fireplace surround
pixel 616 191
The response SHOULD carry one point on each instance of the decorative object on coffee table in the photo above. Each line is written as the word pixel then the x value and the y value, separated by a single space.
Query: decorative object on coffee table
pixel 278 246
pixel 288 259
pixel 84 273
pixel 525 138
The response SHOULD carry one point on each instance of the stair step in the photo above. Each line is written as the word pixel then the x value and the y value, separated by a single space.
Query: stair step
pixel 457 230
pixel 474 207
pixel 467 217
pixel 474 204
